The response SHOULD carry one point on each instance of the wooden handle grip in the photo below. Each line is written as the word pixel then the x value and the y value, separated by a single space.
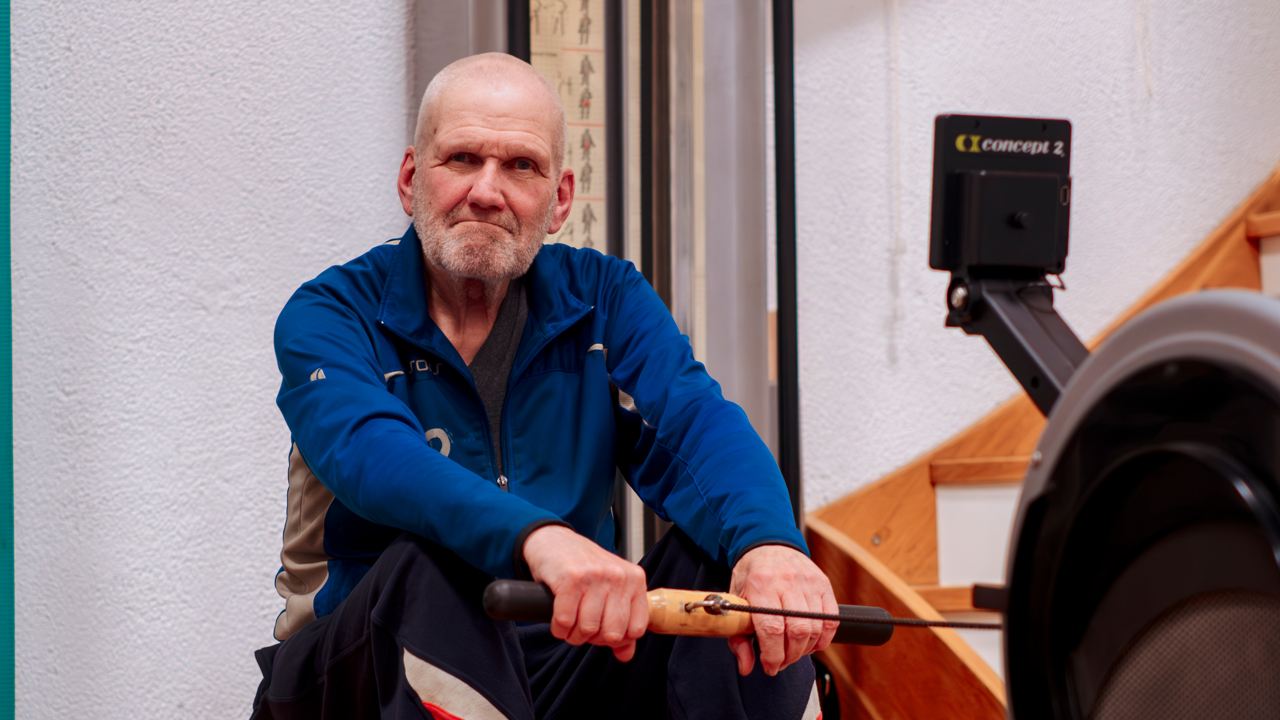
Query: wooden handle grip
pixel 533 602
pixel 667 615
pixel 523 601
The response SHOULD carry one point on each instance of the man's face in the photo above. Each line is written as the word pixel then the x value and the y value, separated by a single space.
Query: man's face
pixel 485 193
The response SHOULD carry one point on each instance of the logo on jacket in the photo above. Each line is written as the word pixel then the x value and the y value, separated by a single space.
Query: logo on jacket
pixel 422 366
pixel 318 374
pixel 442 436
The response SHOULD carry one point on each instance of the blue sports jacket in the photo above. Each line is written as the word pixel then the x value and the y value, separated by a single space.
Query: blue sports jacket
pixel 390 434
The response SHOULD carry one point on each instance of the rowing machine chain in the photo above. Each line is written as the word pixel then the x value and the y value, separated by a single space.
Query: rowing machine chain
pixel 716 605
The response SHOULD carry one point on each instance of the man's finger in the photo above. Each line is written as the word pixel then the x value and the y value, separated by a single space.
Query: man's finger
pixel 740 645
pixel 816 627
pixel 625 652
pixel 590 610
pixel 771 636
pixel 829 627
pixel 616 622
pixel 565 613
pixel 799 630
pixel 639 613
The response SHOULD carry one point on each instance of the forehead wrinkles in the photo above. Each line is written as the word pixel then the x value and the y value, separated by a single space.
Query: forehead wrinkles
pixel 495 133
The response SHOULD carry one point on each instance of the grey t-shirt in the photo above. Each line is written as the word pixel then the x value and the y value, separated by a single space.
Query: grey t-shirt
pixel 491 367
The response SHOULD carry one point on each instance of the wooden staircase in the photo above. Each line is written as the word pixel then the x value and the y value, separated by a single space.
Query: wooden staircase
pixel 880 545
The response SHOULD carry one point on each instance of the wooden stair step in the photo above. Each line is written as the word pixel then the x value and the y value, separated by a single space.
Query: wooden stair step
pixel 999 470
pixel 1261 225
pixel 947 598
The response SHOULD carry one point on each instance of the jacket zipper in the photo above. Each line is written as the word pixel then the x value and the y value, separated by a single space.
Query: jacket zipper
pixel 536 347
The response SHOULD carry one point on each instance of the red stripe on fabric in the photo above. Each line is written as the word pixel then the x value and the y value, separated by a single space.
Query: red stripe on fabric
pixel 440 713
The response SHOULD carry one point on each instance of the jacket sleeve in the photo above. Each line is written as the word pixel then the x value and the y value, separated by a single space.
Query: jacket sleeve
pixel 367 447
pixel 707 470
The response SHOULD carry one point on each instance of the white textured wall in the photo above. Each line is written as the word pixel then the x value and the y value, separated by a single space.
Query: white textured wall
pixel 1174 106
pixel 178 170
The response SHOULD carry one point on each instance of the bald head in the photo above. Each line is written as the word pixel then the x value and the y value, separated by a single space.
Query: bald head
pixel 498 74
pixel 484 180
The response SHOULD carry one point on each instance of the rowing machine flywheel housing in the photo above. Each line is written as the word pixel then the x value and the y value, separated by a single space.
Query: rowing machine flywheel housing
pixel 1144 569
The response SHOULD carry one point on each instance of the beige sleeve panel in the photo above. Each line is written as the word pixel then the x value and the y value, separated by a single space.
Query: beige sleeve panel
pixel 438 689
pixel 306 567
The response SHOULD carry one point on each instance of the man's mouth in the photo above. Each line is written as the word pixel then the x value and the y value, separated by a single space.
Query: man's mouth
pixel 479 221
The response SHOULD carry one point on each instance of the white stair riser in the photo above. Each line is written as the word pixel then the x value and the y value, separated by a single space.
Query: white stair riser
pixel 974 524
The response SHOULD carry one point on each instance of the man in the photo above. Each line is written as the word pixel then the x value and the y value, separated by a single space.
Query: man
pixel 459 400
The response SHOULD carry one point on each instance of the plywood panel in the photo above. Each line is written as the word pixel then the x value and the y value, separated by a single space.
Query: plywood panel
pixel 920 672
pixel 896 521
pixel 855 704
pixel 899 509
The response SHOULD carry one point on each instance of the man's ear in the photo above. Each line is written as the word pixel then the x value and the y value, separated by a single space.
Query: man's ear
pixel 404 183
pixel 564 201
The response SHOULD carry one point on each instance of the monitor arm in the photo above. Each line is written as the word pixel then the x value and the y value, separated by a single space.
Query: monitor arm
pixel 1018 320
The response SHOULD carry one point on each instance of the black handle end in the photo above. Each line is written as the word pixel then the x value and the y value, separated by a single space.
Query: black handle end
pixel 519 601
pixel 852 632
pixel 991 597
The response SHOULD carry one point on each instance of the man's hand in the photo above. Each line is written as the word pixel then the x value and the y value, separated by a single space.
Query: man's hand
pixel 776 576
pixel 600 598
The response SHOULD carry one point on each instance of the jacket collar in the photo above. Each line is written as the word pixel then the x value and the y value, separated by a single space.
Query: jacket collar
pixel 553 308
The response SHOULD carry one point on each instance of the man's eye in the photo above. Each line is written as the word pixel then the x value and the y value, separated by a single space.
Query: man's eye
pixel 458 157
pixel 524 165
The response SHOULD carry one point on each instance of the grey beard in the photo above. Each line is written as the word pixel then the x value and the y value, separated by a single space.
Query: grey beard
pixel 479 253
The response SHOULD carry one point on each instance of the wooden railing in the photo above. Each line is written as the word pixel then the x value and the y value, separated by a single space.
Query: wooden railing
pixel 921 672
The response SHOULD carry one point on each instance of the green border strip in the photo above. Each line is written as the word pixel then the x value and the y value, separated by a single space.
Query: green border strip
pixel 7 698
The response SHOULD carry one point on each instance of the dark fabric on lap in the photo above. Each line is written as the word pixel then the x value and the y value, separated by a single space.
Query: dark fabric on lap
pixel 349 664
pixel 422 597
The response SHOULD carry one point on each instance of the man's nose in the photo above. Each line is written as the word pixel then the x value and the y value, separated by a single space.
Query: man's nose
pixel 486 190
